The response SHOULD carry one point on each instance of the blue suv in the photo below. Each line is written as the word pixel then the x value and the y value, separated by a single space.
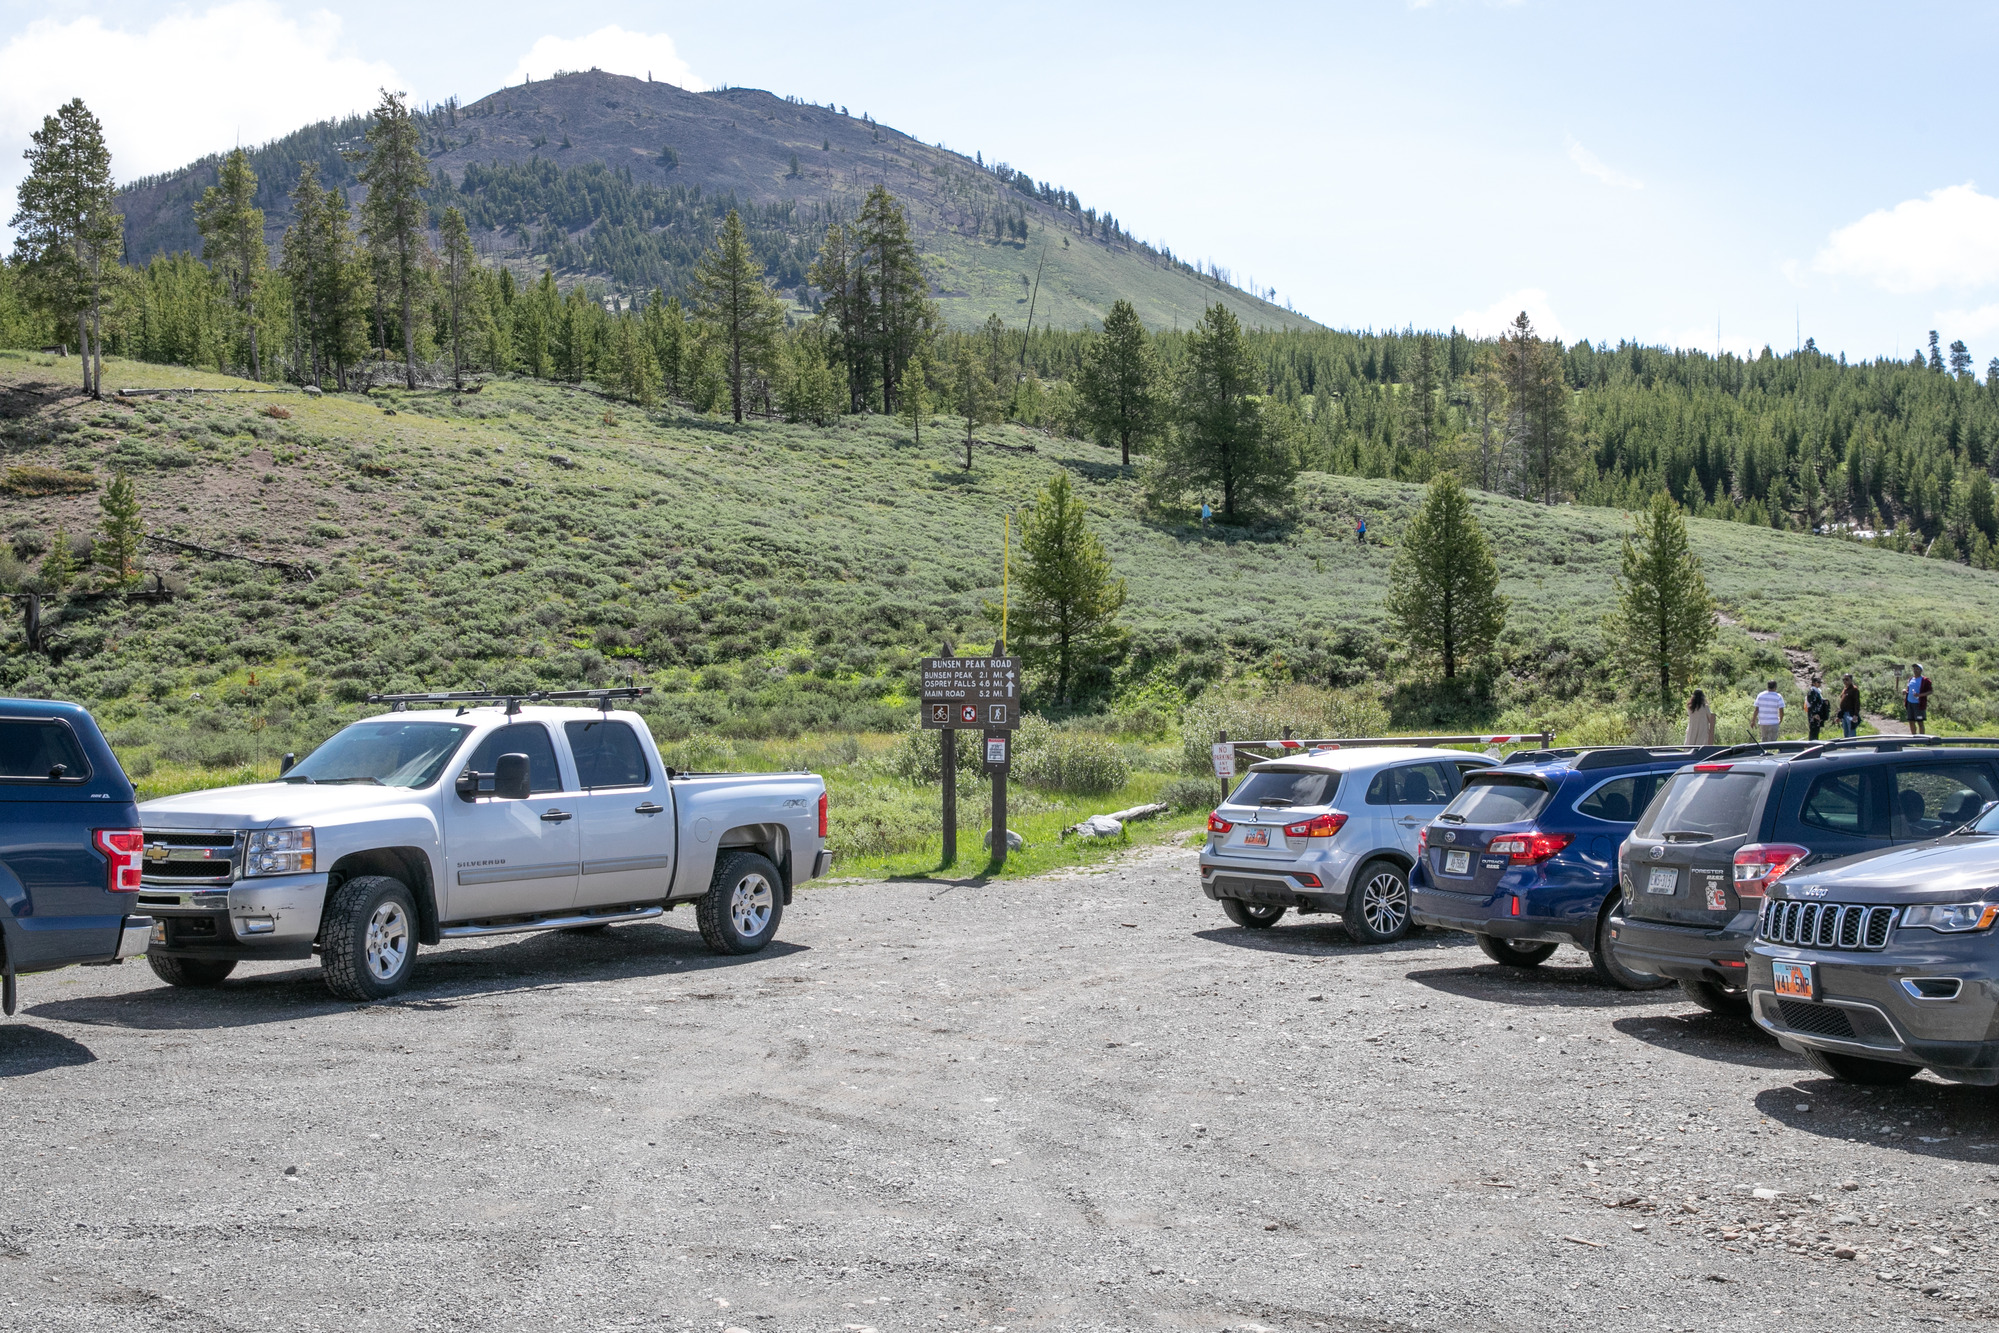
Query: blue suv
pixel 1526 857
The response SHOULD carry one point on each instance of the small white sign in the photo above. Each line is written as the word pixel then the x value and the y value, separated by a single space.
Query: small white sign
pixel 1224 760
pixel 995 750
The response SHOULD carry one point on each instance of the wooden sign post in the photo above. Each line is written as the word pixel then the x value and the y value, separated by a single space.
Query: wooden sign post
pixel 973 694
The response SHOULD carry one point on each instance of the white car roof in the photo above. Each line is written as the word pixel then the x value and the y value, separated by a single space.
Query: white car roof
pixel 553 714
pixel 1365 757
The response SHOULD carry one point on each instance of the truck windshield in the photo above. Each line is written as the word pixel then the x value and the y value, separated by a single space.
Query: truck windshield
pixel 1286 788
pixel 1700 807
pixel 1498 798
pixel 383 753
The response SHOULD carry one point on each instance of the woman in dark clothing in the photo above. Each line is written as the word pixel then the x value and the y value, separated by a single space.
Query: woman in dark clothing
pixel 1849 708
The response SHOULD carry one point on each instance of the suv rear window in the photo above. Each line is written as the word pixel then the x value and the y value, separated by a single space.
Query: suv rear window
pixel 1498 798
pixel 32 749
pixel 1280 786
pixel 1705 805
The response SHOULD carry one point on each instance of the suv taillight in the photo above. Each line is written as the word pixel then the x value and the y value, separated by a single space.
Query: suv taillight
pixel 1422 841
pixel 822 814
pixel 1216 824
pixel 1531 849
pixel 1761 864
pixel 1319 826
pixel 125 849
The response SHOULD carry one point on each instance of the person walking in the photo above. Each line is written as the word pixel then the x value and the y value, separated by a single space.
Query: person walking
pixel 1849 707
pixel 1916 699
pixel 1769 713
pixel 1817 711
pixel 1206 513
pixel 1360 531
pixel 1700 720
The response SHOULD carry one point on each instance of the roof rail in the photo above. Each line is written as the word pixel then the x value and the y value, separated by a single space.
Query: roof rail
pixel 1782 749
pixel 1607 756
pixel 513 699
pixel 1894 742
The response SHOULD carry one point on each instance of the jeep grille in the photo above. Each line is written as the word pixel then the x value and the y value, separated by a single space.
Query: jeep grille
pixel 1825 925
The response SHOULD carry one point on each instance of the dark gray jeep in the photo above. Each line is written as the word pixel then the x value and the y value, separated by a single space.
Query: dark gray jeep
pixel 1878 966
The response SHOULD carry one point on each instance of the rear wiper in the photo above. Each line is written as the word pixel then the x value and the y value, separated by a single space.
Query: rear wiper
pixel 1455 819
pixel 1687 835
pixel 1276 800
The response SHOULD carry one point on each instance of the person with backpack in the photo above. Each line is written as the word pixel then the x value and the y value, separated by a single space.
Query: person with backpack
pixel 1916 699
pixel 1849 708
pixel 1360 531
pixel 1818 712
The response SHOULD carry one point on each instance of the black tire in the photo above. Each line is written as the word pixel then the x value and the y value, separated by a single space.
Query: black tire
pixel 1252 916
pixel 1717 999
pixel 1610 969
pixel 194 973
pixel 368 938
pixel 744 903
pixel 1859 1069
pixel 1377 910
pixel 1514 955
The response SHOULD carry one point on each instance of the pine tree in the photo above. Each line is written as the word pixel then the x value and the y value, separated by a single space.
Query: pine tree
pixel 666 331
pixel 395 216
pixel 739 307
pixel 977 398
pixel 118 543
pixel 1936 357
pixel 1444 596
pixel 895 291
pixel 637 370
pixel 916 395
pixel 1425 386
pixel 460 264
pixel 1960 358
pixel 232 241
pixel 1064 616
pixel 67 230
pixel 1119 383
pixel 59 565
pixel 1538 423
pixel 1665 620
pixel 843 309
pixel 1224 440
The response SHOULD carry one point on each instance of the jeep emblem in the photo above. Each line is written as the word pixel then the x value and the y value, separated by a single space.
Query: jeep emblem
pixel 1658 852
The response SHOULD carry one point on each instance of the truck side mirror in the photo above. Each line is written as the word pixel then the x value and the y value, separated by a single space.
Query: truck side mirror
pixel 285 764
pixel 510 777
pixel 467 785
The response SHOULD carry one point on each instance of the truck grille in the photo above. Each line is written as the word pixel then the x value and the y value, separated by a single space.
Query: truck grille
pixel 1825 925
pixel 187 857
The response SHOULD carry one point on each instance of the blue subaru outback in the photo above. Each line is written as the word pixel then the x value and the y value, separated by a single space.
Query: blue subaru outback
pixel 1526 857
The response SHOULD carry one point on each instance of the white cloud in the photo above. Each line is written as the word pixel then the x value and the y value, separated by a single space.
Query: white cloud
pixel 638 54
pixel 192 83
pixel 1593 166
pixel 1703 340
pixel 1968 323
pixel 1950 238
pixel 1496 318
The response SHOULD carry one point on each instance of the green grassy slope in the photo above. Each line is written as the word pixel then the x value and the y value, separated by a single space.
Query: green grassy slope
pixel 777 582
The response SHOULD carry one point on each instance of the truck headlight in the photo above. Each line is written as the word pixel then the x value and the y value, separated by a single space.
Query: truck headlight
pixel 279 851
pixel 1952 916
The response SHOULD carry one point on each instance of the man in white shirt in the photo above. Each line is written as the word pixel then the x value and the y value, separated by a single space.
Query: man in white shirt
pixel 1769 712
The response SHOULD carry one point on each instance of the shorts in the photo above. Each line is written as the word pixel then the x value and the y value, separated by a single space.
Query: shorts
pixel 1767 731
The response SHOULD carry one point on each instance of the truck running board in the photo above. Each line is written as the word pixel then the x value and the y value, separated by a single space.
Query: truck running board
pixel 549 923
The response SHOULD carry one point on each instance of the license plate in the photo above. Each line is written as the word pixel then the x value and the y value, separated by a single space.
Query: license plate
pixel 1662 879
pixel 1794 980
pixel 1457 863
pixel 1256 837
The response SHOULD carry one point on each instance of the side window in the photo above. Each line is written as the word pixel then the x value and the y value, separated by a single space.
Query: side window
pixel 1381 791
pixel 528 738
pixel 1932 799
pixel 1412 784
pixel 607 754
pixel 34 750
pixel 1618 800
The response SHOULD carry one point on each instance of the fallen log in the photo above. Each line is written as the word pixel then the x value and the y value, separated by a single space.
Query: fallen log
pixel 1112 825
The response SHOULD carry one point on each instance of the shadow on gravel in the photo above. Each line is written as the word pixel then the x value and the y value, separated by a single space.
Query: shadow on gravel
pixel 443 974
pixel 1307 938
pixel 26 1049
pixel 1559 987
pixel 1710 1036
pixel 1922 1118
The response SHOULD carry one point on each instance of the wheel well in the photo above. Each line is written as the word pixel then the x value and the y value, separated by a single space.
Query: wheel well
pixel 408 864
pixel 772 840
pixel 1396 859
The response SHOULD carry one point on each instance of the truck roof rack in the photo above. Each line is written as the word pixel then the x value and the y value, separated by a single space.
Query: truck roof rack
pixel 1609 756
pixel 513 699
pixel 1895 743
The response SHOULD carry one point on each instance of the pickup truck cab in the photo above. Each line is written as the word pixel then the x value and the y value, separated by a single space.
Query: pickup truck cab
pixel 69 845
pixel 415 827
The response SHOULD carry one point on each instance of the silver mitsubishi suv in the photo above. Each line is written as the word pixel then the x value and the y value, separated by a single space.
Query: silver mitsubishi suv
pixel 1330 830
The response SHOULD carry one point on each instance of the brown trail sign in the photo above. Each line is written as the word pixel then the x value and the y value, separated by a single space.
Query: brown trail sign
pixel 972 694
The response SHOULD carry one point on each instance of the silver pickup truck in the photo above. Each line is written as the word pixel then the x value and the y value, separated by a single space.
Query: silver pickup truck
pixel 419 826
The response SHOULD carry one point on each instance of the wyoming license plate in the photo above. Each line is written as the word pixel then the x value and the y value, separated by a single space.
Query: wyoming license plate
pixel 1256 837
pixel 1662 879
pixel 1457 863
pixel 1794 980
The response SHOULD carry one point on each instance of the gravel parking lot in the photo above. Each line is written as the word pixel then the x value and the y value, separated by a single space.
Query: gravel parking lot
pixel 1077 1102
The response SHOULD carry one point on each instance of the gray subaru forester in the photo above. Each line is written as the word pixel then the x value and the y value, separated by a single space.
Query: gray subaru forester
pixel 1878 966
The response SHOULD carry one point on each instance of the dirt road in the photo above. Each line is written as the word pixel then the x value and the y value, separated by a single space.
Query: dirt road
pixel 1068 1103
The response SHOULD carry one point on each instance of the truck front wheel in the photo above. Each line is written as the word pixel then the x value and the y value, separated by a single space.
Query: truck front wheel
pixel 744 902
pixel 198 972
pixel 368 942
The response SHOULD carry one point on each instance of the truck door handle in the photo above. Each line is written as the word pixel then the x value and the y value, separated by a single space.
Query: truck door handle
pixel 555 816
pixel 649 809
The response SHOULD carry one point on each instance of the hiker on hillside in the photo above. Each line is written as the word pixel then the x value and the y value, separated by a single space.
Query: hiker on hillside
pixel 1360 531
pixel 1817 711
pixel 1849 708
pixel 1700 720
pixel 1206 513
pixel 1916 699
pixel 1769 708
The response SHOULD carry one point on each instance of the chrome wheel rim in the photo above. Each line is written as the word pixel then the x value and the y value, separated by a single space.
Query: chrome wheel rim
pixel 751 903
pixel 388 945
pixel 1384 903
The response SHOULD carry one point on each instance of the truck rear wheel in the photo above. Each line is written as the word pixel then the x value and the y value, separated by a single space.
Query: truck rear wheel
pixel 367 945
pixel 190 972
pixel 744 903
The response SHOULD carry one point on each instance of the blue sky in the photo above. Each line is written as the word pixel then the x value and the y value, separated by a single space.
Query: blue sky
pixel 1619 171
